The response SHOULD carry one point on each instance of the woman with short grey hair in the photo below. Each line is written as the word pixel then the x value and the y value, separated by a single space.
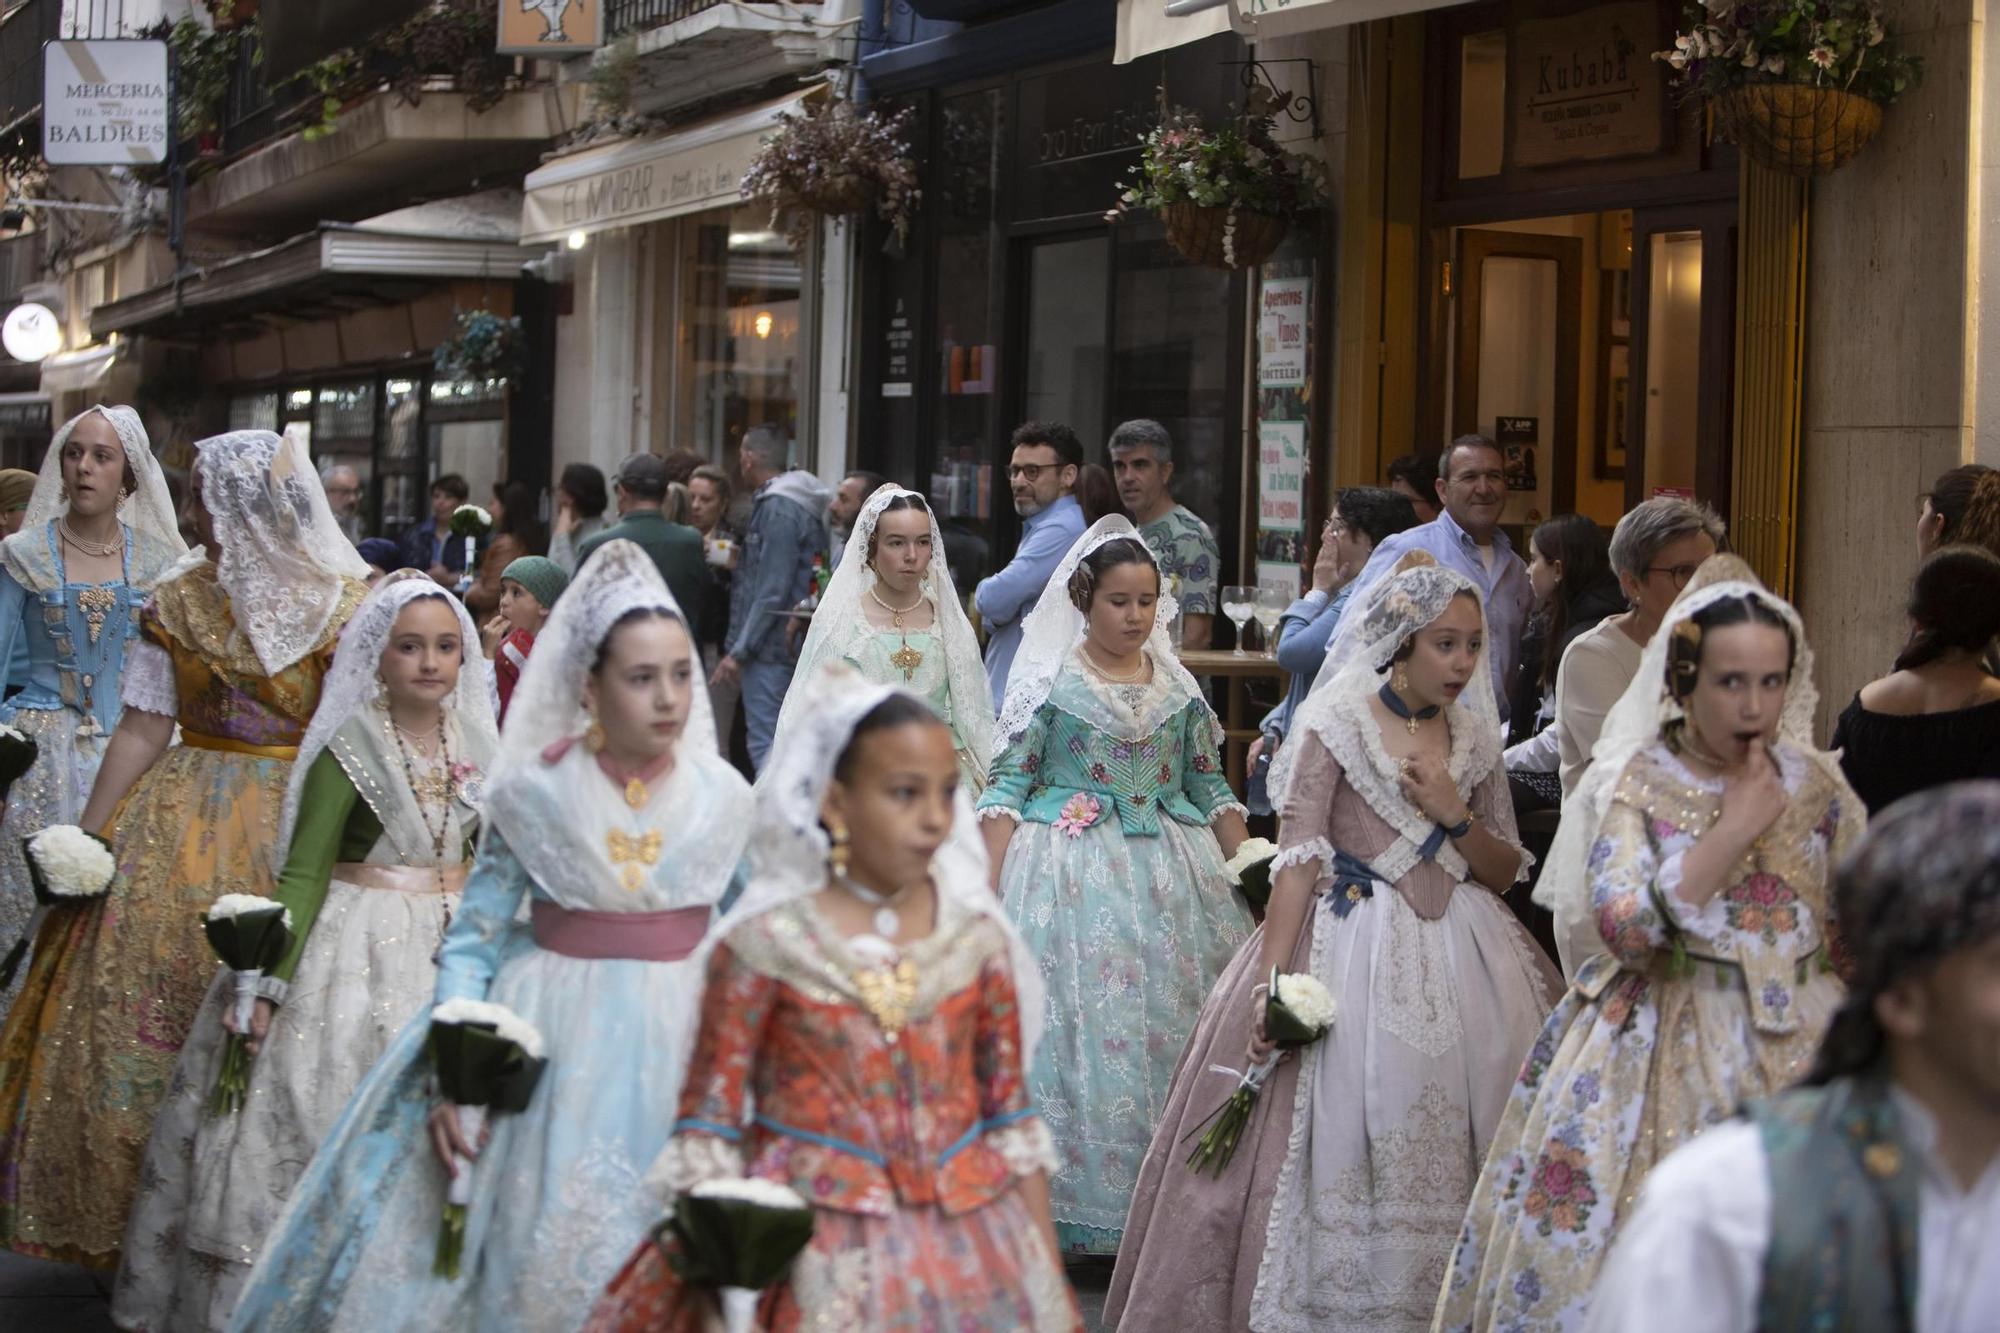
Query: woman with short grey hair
pixel 1655 550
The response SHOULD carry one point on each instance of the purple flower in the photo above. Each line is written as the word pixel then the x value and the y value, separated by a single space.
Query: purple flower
pixel 1528 1286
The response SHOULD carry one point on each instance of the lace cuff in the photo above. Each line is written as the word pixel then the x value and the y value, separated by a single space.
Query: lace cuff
pixel 1224 809
pixel 1710 920
pixel 1025 1146
pixel 1304 853
pixel 999 812
pixel 274 989
pixel 149 679
pixel 691 1157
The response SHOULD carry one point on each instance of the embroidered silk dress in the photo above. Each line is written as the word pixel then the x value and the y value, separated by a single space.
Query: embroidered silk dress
pixel 75 637
pixel 905 1131
pixel 89 1046
pixel 370 900
pixel 1117 884
pixel 557 1202
pixel 1692 1012
pixel 878 660
pixel 1345 1195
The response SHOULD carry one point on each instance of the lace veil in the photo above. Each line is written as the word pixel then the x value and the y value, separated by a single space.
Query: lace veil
pixel 840 627
pixel 350 683
pixel 1055 627
pixel 788 848
pixel 1637 720
pixel 1413 595
pixel 148 511
pixel 284 558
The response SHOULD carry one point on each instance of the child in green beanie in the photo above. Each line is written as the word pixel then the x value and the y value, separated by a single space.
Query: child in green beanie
pixel 529 586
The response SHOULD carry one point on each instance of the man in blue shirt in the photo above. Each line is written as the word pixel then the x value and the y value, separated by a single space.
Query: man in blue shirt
pixel 1042 472
pixel 787 530
pixel 430 546
pixel 1472 483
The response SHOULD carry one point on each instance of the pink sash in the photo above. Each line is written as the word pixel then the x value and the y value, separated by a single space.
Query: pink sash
pixel 652 937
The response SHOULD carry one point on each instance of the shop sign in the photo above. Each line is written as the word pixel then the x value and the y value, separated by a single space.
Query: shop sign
pixel 550 29
pixel 897 341
pixel 1284 308
pixel 104 103
pixel 1281 476
pixel 1586 86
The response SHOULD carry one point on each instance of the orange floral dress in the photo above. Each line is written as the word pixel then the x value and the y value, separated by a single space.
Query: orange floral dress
pixel 90 1044
pixel 905 1130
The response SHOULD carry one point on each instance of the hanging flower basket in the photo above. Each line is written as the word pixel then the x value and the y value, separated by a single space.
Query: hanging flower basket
pixel 1223 237
pixel 1796 128
pixel 835 161
pixel 483 346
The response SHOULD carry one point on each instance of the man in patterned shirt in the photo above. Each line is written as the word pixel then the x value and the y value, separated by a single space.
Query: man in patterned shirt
pixel 1142 463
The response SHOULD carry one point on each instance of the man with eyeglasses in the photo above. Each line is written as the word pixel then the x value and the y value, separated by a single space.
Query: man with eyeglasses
pixel 1041 473
pixel 1466 537
pixel 343 495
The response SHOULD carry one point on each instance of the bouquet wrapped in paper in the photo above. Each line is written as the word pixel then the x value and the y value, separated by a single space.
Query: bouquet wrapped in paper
pixel 473 524
pixel 18 752
pixel 1252 867
pixel 66 864
pixel 487 1059
pixel 738 1236
pixel 250 935
pixel 1297 1012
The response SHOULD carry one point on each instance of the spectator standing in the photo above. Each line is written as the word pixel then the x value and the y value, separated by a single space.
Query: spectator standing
pixel 709 493
pixel 1944 507
pixel 1142 463
pixel 641 488
pixel 1363 518
pixel 1569 572
pixel 430 546
pixel 786 535
pixel 1096 492
pixel 841 511
pixel 516 532
pixel 343 495
pixel 1936 717
pixel 1041 472
pixel 529 587
pixel 1466 536
pixel 1415 477
pixel 16 486
pixel 580 504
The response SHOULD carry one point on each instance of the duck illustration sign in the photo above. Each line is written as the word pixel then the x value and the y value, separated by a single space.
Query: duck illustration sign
pixel 550 28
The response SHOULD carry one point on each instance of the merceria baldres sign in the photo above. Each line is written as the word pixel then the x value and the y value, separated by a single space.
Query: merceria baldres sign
pixel 104 103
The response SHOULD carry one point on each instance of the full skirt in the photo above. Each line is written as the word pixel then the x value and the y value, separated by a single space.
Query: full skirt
pixel 1612 1085
pixel 214 1186
pixel 917 1270
pixel 558 1202
pixel 89 1046
pixel 52 792
pixel 1132 932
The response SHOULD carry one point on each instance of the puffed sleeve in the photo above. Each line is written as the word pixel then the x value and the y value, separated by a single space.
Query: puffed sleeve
pixel 485 917
pixel 737 1002
pixel 1202 780
pixel 1014 772
pixel 1305 820
pixel 1006 1114
pixel 325 802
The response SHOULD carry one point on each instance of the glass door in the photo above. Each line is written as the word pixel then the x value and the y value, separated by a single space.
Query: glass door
pixel 1068 317
pixel 1678 417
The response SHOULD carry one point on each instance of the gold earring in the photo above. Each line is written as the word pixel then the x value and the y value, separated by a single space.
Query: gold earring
pixel 836 852
pixel 381 691
pixel 1399 679
pixel 593 735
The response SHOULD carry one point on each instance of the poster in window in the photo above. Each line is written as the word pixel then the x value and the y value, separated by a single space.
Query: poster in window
pixel 1284 307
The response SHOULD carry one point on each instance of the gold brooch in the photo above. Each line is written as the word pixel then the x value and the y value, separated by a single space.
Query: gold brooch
pixel 96 603
pixel 906 660
pixel 631 855
pixel 1883 1160
pixel 887 993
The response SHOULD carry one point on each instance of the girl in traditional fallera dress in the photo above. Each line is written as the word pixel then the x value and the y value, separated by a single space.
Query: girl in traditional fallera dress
pixel 1700 846
pixel 234 648
pixel 890 611
pixel 379 819
pixel 868 997
pixel 99 531
pixel 611 817
pixel 1102 823
pixel 1345 1194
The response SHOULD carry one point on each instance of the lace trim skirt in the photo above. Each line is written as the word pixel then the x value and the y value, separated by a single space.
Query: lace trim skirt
pixel 214 1187
pixel 52 792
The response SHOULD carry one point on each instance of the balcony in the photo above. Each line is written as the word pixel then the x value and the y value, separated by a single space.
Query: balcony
pixel 693 50
pixel 23 30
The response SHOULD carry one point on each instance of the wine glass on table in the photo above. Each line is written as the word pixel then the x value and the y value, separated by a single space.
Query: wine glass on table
pixel 1270 604
pixel 1238 603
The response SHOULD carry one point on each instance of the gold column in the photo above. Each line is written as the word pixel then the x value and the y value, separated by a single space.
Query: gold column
pixel 1770 369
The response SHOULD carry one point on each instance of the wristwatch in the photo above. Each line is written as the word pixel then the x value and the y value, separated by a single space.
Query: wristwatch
pixel 1460 829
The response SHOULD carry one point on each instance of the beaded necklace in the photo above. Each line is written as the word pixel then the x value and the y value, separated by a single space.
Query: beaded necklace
pixel 438 787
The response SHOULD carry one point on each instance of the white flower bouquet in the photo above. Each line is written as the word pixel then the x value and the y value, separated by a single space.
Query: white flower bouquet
pixel 487 1058
pixel 66 864
pixel 738 1236
pixel 250 935
pixel 1297 1012
pixel 18 752
pixel 474 524
pixel 1252 867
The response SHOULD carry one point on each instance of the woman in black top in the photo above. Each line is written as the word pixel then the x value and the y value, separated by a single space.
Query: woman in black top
pixel 1936 717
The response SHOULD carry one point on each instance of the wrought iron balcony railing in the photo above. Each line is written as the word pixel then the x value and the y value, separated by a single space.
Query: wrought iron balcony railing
pixel 623 16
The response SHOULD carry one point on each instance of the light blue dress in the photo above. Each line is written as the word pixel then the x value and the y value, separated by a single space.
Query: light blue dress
pixel 1118 885
pixel 68 641
pixel 558 1202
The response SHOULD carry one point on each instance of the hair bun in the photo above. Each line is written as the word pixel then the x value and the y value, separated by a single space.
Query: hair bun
pixel 1414 560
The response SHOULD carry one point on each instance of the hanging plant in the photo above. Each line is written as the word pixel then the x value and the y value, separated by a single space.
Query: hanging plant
pixel 1799 85
pixel 835 161
pixel 483 346
pixel 1227 194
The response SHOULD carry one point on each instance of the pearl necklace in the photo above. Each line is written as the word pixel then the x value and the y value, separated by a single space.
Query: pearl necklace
pixel 101 550
pixel 888 922
pixel 1132 679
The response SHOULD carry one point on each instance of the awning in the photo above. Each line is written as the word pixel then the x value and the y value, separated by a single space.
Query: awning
pixel 633 181
pixel 73 372
pixel 1146 27
pixel 332 268
pixel 1262 20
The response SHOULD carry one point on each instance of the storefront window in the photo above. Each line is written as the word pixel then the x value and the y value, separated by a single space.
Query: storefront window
pixel 253 411
pixel 740 344
pixel 1482 103
pixel 468 432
